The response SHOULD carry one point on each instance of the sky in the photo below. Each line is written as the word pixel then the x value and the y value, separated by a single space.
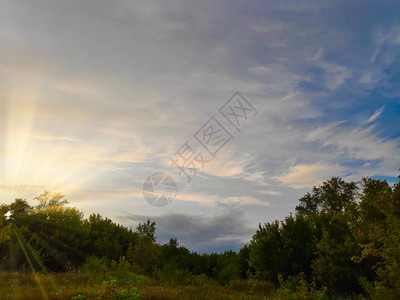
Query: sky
pixel 96 96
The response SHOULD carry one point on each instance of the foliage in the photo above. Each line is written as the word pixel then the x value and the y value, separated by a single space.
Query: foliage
pixel 344 236
pixel 297 287
pixel 343 240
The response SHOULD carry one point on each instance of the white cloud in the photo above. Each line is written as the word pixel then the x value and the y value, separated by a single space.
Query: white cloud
pixel 301 176
pixel 376 114
pixel 260 70
pixel 397 39
pixel 336 74
pixel 366 78
pixel 317 55
pixel 248 201
pixel 358 143
pixel 264 25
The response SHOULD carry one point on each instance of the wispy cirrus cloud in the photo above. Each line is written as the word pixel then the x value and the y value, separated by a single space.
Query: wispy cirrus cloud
pixel 375 115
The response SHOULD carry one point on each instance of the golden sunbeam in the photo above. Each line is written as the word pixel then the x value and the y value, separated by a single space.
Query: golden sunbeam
pixel 31 265
pixel 32 157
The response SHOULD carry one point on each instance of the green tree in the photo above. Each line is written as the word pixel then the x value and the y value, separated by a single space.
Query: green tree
pixel 266 252
pixel 227 267
pixel 48 199
pixel 5 226
pixel 332 196
pixel 108 239
pixel 146 251
pixel 146 231
pixel 379 237
pixel 61 232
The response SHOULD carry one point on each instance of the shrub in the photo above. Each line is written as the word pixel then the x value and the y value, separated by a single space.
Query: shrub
pixel 130 294
pixel 96 265
pixel 252 285
pixel 111 290
pixel 78 297
pixel 297 287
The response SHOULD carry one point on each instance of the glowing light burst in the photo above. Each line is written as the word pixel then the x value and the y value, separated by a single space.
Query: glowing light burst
pixel 34 154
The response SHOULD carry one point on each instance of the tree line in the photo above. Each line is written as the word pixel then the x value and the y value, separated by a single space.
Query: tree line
pixel 343 237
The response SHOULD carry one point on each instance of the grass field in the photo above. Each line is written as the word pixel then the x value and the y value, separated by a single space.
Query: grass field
pixel 81 285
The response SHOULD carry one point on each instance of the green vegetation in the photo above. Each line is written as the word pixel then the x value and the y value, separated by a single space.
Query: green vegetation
pixel 342 242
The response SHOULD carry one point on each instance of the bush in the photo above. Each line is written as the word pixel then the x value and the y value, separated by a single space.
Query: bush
pixel 297 287
pixel 131 294
pixel 96 265
pixel 168 275
pixel 78 297
pixel 252 286
pixel 111 290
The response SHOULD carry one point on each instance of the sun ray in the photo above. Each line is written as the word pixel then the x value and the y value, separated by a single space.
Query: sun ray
pixel 16 231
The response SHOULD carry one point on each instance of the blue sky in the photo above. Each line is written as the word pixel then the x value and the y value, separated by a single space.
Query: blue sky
pixel 97 95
